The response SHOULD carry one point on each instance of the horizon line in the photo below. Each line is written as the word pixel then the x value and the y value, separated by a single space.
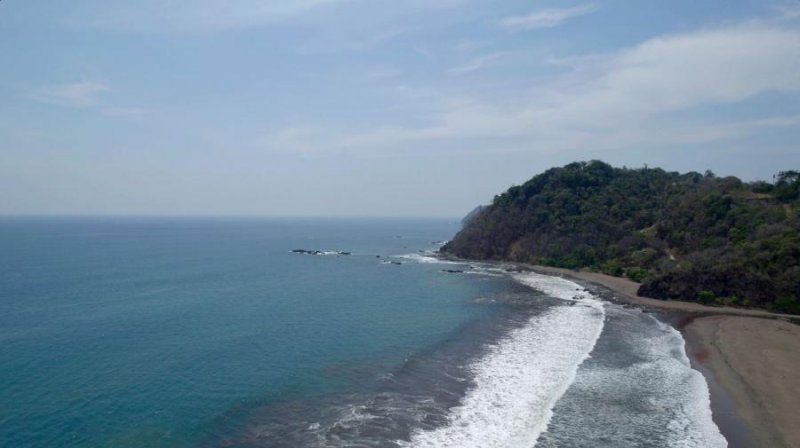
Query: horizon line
pixel 216 216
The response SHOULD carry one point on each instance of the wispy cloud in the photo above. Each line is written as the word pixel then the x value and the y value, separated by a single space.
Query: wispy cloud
pixel 466 46
pixel 382 72
pixel 615 101
pixel 85 94
pixel 788 10
pixel 478 63
pixel 130 113
pixel 197 15
pixel 546 18
pixel 78 94
pixel 422 51
pixel 710 132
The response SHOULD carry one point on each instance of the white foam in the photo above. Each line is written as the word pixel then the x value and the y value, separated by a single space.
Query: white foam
pixel 658 399
pixel 557 287
pixel 484 272
pixel 427 257
pixel 692 425
pixel 520 379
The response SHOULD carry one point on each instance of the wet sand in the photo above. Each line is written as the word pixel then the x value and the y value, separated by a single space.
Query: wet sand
pixel 757 362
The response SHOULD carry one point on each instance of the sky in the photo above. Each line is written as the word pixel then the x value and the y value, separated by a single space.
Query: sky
pixel 379 107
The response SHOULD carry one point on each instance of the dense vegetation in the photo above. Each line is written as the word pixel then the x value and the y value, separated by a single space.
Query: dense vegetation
pixel 688 236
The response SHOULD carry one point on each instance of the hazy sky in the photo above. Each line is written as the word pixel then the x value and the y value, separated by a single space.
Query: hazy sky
pixel 380 108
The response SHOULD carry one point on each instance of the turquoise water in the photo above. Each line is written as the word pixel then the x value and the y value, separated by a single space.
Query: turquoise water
pixel 154 332
pixel 146 332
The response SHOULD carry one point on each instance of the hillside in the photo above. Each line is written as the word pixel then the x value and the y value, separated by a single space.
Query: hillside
pixel 685 236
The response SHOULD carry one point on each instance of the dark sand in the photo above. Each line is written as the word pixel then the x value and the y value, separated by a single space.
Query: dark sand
pixel 756 361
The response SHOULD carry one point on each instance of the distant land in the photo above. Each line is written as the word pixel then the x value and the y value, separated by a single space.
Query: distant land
pixel 691 236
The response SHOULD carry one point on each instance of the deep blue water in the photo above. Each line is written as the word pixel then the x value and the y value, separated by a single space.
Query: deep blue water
pixel 143 332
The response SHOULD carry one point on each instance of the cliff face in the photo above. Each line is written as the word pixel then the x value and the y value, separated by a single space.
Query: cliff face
pixel 689 236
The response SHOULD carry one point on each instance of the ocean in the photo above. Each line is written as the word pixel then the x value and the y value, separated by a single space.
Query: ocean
pixel 212 332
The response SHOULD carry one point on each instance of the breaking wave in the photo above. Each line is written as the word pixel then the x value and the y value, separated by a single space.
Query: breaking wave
pixel 522 376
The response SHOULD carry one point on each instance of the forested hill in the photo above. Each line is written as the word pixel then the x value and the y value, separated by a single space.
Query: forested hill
pixel 684 236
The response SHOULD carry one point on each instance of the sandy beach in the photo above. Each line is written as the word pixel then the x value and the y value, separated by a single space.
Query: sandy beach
pixel 756 361
pixel 753 355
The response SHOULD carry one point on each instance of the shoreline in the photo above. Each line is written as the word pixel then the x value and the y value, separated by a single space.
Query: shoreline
pixel 627 290
pixel 748 357
pixel 755 361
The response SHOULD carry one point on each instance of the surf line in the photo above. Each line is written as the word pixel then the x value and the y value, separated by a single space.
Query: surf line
pixel 522 376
